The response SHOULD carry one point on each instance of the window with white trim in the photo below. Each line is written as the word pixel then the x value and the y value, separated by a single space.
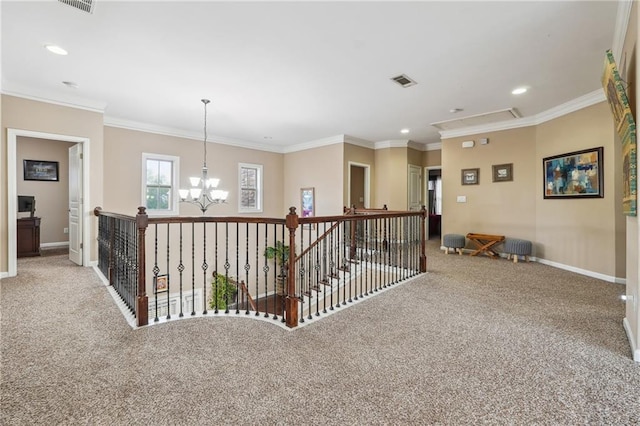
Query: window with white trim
pixel 249 188
pixel 160 184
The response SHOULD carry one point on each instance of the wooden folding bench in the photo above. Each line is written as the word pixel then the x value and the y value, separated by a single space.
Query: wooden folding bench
pixel 485 243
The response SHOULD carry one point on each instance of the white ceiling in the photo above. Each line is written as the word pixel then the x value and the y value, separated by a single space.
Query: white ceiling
pixel 281 74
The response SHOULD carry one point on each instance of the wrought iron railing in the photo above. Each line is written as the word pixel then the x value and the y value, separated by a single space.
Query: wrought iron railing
pixel 289 270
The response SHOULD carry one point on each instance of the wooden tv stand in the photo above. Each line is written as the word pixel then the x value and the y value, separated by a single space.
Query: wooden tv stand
pixel 28 237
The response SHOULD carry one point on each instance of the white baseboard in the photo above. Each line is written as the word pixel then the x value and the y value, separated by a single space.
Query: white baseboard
pixel 580 271
pixel 4 275
pixel 54 245
pixel 632 341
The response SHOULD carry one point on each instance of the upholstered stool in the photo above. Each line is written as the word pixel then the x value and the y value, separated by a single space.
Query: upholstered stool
pixel 454 241
pixel 515 247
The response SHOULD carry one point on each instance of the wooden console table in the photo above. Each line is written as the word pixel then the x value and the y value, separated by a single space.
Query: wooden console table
pixel 485 243
pixel 28 237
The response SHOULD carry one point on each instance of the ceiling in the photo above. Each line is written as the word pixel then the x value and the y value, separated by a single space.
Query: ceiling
pixel 281 74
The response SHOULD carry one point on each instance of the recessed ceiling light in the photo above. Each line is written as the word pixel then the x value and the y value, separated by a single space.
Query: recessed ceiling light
pixel 454 110
pixel 404 131
pixel 519 90
pixel 55 49
pixel 70 84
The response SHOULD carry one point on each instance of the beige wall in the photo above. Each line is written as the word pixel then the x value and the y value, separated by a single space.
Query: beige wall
pixel 123 182
pixel 52 198
pixel 432 158
pixel 391 178
pixel 360 155
pixel 502 208
pixel 578 232
pixel 320 168
pixel 414 157
pixel 25 114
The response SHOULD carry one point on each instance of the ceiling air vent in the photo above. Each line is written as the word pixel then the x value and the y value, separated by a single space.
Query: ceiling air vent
pixel 404 81
pixel 83 5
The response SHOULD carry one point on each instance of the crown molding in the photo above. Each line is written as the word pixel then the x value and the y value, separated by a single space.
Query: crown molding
pixel 577 104
pixel 584 101
pixel 433 146
pixel 393 143
pixel 318 143
pixel 68 101
pixel 179 133
pixel 620 31
pixel 359 142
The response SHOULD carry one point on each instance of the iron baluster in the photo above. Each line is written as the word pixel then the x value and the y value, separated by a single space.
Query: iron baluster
pixel 156 270
pixel 168 277
pixel 193 268
pixel 180 270
pixel 205 266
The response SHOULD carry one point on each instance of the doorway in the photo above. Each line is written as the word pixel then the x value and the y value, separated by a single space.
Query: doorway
pixel 359 181
pixel 433 195
pixel 12 173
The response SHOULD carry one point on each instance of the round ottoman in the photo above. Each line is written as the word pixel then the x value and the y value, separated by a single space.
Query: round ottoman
pixel 454 241
pixel 515 247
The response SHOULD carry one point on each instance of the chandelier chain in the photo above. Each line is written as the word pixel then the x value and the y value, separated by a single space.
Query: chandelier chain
pixel 205 102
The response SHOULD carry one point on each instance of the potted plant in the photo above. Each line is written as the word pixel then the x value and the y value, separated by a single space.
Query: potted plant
pixel 223 292
pixel 279 252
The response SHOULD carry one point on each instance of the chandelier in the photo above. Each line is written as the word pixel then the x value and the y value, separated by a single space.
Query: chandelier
pixel 203 192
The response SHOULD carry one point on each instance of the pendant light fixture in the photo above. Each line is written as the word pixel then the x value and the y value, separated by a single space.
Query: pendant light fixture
pixel 203 192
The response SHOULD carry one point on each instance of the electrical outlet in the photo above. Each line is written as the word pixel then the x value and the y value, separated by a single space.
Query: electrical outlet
pixel 66 230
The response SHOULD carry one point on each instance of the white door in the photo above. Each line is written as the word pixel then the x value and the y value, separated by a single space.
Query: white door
pixel 75 203
pixel 415 188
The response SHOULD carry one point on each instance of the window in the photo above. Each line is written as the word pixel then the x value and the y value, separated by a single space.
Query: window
pixel 159 184
pixel 250 188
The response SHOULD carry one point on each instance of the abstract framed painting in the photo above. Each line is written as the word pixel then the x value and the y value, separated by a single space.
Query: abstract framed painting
pixel 575 174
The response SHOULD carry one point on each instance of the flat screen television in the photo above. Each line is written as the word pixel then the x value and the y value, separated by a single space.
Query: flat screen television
pixel 26 203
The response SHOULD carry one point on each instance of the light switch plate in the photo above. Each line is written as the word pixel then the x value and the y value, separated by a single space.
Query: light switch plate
pixel 462 198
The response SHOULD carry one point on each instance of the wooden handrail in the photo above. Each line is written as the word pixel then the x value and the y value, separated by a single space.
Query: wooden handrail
pixel 245 291
pixel 99 212
pixel 317 241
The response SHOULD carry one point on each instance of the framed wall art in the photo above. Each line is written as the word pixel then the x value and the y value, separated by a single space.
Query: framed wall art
pixel 616 92
pixel 470 176
pixel 41 170
pixel 574 175
pixel 503 172
pixel 161 283
pixel 307 203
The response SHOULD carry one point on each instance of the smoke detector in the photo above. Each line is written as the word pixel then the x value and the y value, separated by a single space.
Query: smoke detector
pixel 83 5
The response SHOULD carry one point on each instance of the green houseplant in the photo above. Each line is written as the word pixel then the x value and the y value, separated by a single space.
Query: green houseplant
pixel 223 292
pixel 279 252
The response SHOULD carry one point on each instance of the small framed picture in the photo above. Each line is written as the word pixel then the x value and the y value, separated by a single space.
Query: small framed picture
pixel 503 172
pixel 41 170
pixel 308 204
pixel 161 283
pixel 470 176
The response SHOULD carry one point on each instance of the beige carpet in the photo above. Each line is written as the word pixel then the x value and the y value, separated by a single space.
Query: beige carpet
pixel 474 341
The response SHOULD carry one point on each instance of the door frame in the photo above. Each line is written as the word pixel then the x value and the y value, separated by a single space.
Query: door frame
pixel 12 192
pixel 367 183
pixel 420 192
